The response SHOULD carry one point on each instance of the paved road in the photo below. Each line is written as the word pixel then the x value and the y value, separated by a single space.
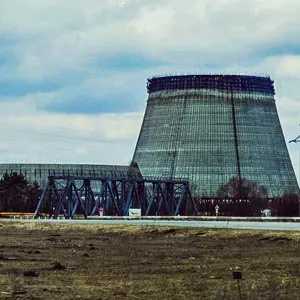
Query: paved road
pixel 192 224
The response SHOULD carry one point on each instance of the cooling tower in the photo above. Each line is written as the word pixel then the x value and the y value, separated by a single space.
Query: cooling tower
pixel 214 129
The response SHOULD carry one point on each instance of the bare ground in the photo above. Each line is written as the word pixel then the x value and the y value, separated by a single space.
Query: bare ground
pixel 46 261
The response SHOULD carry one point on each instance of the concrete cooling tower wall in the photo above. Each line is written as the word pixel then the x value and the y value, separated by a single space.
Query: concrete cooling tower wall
pixel 214 130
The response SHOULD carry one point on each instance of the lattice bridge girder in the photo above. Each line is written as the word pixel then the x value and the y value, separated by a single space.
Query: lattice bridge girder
pixel 89 196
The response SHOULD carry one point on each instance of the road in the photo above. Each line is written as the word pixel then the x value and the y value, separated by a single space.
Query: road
pixel 192 224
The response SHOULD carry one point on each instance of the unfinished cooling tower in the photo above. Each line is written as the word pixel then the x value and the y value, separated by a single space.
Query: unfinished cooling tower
pixel 214 129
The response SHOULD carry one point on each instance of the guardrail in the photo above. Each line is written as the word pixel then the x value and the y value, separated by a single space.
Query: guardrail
pixel 19 217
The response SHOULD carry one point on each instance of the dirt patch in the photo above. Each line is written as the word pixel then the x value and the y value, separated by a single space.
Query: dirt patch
pixel 275 239
pixel 31 273
pixel 169 231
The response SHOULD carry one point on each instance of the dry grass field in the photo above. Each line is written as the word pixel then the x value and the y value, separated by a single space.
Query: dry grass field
pixel 47 261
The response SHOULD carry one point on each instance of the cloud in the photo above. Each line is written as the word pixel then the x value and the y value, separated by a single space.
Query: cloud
pixel 33 136
pixel 289 66
pixel 79 68
pixel 55 36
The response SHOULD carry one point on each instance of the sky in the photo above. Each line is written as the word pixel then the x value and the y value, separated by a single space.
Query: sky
pixel 73 73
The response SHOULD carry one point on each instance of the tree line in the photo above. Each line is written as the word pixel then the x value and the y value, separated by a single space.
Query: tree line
pixel 17 194
pixel 247 198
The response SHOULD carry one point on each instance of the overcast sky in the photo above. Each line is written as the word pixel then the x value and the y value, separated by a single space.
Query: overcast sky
pixel 73 73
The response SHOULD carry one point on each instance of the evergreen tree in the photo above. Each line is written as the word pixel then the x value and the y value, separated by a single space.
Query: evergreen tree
pixel 17 195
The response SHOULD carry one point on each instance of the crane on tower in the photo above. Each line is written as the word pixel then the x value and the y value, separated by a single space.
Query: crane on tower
pixel 296 140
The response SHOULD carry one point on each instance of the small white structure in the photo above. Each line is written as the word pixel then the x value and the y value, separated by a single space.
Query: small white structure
pixel 265 212
pixel 135 212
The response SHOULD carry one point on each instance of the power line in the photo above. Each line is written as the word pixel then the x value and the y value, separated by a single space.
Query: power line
pixel 78 138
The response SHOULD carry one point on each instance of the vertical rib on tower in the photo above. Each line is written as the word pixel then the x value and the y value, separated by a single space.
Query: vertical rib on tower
pixel 212 128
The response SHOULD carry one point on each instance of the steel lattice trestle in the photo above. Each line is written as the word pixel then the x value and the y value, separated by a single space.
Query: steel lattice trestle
pixel 72 196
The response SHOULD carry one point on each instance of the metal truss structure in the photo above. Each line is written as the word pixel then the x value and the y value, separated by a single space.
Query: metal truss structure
pixel 87 196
